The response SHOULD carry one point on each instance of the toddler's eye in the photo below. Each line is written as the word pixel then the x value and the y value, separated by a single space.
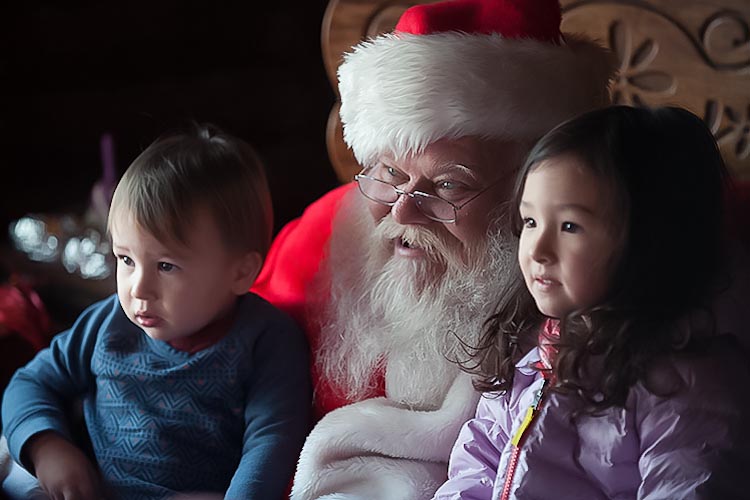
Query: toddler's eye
pixel 125 260
pixel 529 223
pixel 166 267
pixel 570 227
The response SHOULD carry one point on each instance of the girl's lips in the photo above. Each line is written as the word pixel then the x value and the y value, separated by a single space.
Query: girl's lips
pixel 545 282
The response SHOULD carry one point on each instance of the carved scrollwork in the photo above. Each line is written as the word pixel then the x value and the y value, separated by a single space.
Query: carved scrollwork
pixel 722 41
pixel 725 36
pixel 634 75
pixel 730 127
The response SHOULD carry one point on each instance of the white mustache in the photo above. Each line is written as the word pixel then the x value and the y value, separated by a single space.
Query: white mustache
pixel 434 245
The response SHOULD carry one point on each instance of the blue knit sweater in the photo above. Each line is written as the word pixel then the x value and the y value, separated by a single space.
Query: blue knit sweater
pixel 230 418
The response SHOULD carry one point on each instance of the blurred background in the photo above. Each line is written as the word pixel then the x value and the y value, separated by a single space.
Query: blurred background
pixel 88 85
pixel 73 71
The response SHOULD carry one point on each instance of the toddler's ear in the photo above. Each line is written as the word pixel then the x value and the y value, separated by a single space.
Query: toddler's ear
pixel 247 269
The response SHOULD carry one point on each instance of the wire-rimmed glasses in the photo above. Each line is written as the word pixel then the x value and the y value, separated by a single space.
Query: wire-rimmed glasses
pixel 433 207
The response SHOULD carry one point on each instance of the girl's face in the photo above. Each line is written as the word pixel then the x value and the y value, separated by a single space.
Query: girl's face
pixel 567 247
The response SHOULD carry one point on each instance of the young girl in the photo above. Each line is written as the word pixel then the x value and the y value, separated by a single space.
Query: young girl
pixel 607 374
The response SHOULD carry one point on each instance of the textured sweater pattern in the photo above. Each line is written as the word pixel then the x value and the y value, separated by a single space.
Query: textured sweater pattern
pixel 163 421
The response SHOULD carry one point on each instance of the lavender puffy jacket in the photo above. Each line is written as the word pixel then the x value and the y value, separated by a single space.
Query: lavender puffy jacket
pixel 692 445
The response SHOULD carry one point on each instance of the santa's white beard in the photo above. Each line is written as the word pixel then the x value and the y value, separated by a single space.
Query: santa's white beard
pixel 411 316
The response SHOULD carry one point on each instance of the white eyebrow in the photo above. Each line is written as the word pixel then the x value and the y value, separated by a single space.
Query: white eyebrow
pixel 448 166
pixel 465 169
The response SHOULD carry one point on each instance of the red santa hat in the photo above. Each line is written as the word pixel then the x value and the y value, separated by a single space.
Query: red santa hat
pixel 487 68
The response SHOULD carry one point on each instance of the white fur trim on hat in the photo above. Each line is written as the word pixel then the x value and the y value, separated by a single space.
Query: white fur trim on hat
pixel 401 92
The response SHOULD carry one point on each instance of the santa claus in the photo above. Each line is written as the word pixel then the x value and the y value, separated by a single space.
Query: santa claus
pixel 394 274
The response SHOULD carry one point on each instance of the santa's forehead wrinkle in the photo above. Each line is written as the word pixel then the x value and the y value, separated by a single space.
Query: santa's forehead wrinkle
pixel 458 157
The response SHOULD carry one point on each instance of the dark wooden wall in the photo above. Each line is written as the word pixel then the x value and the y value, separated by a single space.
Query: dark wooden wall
pixel 74 70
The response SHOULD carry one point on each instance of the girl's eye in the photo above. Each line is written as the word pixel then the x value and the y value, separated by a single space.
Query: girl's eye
pixel 166 267
pixel 529 223
pixel 570 227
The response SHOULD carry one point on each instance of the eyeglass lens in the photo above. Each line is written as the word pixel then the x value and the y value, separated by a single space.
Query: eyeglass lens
pixel 383 192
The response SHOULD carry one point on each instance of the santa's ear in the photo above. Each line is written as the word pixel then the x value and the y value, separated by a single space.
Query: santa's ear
pixel 247 269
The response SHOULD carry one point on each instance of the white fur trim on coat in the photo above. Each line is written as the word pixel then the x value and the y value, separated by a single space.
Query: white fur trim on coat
pixel 378 450
pixel 401 92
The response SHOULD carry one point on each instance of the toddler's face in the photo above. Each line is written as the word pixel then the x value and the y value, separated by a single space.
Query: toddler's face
pixel 170 290
pixel 567 245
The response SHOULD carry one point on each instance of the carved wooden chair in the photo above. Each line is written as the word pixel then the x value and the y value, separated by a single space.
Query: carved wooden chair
pixel 690 53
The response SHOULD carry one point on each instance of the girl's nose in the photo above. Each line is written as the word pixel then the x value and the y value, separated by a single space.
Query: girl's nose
pixel 541 249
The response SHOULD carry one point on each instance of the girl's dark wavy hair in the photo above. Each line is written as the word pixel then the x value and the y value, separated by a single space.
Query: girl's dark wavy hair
pixel 667 182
